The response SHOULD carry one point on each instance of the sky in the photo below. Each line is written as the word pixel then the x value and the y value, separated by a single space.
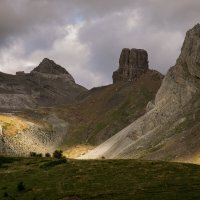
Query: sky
pixel 87 36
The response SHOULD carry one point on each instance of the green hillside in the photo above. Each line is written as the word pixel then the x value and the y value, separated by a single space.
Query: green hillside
pixel 47 178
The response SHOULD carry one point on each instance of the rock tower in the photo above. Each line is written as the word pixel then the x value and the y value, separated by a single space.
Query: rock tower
pixel 132 64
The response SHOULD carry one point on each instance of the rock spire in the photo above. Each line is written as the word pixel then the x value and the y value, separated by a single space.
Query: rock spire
pixel 132 64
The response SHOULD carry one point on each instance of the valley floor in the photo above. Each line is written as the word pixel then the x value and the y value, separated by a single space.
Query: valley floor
pixel 51 179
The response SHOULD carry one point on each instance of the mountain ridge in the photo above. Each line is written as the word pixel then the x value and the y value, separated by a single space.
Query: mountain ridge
pixel 116 105
pixel 46 85
pixel 164 131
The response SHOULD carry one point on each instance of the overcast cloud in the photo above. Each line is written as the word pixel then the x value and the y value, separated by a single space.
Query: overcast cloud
pixel 87 36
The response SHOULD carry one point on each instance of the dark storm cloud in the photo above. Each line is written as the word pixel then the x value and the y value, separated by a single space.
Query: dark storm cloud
pixel 37 21
pixel 88 35
pixel 159 27
pixel 26 19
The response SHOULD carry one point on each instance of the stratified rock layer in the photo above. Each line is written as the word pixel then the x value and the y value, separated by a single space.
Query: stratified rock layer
pixel 48 66
pixel 132 64
pixel 47 85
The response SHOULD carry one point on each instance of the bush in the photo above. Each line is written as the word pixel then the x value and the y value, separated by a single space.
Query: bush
pixel 5 194
pixel 39 155
pixel 20 187
pixel 47 155
pixel 34 154
pixel 58 154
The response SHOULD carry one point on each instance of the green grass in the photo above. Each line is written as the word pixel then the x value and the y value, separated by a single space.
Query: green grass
pixel 46 178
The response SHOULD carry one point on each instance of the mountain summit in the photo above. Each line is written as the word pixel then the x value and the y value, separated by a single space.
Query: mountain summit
pixel 48 84
pixel 50 67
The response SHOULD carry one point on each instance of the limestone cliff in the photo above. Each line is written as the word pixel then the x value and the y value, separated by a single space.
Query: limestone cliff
pixel 169 130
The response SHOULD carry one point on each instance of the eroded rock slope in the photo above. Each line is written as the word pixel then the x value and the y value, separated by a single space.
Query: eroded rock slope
pixel 20 135
pixel 170 128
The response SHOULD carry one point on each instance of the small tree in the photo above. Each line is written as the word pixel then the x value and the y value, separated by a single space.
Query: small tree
pixel 39 155
pixel 47 155
pixel 58 154
pixel 33 154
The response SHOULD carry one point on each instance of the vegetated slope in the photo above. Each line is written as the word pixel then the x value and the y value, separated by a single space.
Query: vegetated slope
pixel 170 130
pixel 42 178
pixel 103 111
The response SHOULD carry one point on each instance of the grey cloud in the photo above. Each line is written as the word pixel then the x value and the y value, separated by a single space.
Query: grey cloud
pixel 108 27
pixel 160 29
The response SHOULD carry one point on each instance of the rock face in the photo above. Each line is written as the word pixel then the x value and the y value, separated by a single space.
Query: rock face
pixel 50 67
pixel 170 128
pixel 132 64
pixel 47 85
pixel 36 137
pixel 190 56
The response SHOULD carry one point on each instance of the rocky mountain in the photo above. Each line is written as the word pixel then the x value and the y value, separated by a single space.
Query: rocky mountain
pixel 61 113
pixel 29 129
pixel 170 128
pixel 132 64
pixel 101 112
pixel 47 85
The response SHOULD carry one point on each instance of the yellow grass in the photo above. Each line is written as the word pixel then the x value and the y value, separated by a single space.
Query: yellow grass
pixel 12 124
pixel 194 159
pixel 77 151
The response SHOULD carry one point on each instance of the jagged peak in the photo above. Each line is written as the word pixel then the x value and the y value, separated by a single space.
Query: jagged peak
pixel 190 52
pixel 196 28
pixel 48 66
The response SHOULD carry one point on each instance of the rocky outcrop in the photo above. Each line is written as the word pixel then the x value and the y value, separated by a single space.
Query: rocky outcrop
pixel 170 128
pixel 48 66
pixel 190 52
pixel 132 64
pixel 47 85
pixel 40 137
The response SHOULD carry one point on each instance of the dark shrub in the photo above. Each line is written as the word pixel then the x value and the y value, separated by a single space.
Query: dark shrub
pixel 47 155
pixel 58 154
pixel 33 154
pixel 20 187
pixel 5 194
pixel 39 155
